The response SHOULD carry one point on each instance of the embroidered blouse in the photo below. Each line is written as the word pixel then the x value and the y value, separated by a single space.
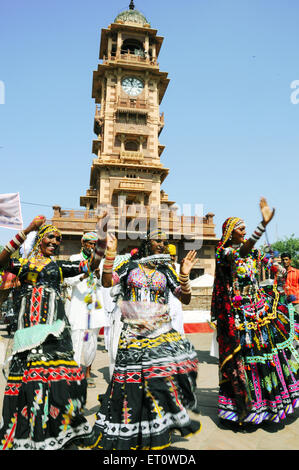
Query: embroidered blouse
pixel 39 305
pixel 145 296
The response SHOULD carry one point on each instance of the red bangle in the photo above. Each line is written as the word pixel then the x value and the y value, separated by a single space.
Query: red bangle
pixel 16 242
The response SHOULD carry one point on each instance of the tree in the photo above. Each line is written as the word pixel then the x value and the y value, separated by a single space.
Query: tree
pixel 288 245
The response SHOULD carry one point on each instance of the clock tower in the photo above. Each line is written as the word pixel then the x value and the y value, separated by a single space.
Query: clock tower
pixel 128 88
pixel 127 172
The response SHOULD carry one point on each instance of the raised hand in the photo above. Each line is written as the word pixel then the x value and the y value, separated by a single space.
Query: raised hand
pixel 188 262
pixel 267 213
pixel 36 223
pixel 111 242
pixel 102 224
pixel 111 249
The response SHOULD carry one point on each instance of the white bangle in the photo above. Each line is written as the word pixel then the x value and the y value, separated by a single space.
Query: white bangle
pixel 260 229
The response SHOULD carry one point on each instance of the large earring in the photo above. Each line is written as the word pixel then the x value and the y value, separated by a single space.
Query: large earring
pixel 39 249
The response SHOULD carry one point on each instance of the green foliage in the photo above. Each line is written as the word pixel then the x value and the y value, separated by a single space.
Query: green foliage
pixel 289 245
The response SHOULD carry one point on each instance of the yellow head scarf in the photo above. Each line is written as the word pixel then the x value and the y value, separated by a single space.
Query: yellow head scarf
pixel 42 232
pixel 172 250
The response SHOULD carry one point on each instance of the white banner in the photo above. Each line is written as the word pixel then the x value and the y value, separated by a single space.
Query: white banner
pixel 10 211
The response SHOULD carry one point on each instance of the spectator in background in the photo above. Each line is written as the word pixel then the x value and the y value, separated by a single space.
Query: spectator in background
pixel 8 281
pixel 85 308
pixel 291 285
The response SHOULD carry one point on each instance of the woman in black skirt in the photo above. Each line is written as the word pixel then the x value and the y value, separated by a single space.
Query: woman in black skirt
pixel 154 378
pixel 46 389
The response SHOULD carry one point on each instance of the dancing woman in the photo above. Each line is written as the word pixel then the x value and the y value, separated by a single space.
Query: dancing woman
pixel 256 332
pixel 154 377
pixel 46 390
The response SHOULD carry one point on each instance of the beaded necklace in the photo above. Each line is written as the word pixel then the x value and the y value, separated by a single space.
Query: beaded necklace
pixel 148 276
pixel 38 262
pixel 35 264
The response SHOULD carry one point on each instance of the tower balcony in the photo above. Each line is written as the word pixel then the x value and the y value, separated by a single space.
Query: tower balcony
pixel 132 103
pixel 128 57
pixel 131 129
pixel 130 156
pixel 96 145
pixel 98 121
pixel 131 185
pixel 74 222
pixel 161 123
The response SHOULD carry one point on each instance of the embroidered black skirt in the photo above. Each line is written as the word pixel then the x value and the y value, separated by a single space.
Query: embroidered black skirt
pixel 43 401
pixel 152 387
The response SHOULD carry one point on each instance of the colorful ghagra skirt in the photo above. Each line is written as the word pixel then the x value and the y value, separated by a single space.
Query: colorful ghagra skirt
pixel 271 365
pixel 43 401
pixel 152 387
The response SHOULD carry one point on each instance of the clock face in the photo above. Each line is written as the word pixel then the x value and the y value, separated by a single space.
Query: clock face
pixel 132 86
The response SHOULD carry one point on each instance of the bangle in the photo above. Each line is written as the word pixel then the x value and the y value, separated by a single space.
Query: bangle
pixel 16 242
pixel 260 229
pixel 186 289
pixel 99 249
pixel 109 261
pixel 185 283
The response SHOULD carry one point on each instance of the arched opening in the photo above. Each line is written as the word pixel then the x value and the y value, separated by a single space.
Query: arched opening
pixel 132 46
pixel 131 145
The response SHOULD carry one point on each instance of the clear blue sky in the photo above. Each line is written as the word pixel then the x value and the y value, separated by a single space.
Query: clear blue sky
pixel 231 131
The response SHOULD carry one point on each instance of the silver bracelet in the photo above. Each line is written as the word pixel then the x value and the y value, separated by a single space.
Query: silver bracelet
pixel 260 229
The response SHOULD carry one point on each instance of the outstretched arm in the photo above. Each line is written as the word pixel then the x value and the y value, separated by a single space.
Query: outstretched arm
pixel 19 239
pixel 267 216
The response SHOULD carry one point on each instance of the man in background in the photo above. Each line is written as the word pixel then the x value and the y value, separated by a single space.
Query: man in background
pixel 291 286
pixel 85 308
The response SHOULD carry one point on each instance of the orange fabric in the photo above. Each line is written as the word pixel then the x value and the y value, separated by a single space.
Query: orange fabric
pixel 9 280
pixel 197 328
pixel 292 283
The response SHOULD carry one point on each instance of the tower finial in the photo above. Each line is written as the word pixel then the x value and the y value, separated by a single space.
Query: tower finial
pixel 131 6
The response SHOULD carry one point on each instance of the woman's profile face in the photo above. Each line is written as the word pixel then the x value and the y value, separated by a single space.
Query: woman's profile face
pixel 238 235
pixel 50 243
pixel 158 246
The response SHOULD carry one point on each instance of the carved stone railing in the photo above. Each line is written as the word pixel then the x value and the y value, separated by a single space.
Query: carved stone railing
pixel 128 57
pixel 131 185
pixel 132 103
pixel 130 156
pixel 82 220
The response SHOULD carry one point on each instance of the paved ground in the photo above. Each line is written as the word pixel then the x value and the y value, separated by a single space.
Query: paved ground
pixel 212 436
